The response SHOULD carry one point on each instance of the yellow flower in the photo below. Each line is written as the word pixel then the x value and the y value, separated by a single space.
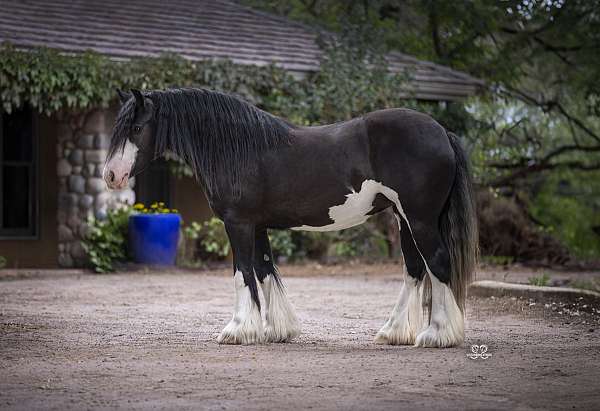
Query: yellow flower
pixel 138 206
pixel 176 211
pixel 154 205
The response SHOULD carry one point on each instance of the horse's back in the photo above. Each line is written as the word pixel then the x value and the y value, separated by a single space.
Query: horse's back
pixel 410 126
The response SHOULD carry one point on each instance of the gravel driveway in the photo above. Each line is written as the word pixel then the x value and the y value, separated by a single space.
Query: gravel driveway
pixel 147 341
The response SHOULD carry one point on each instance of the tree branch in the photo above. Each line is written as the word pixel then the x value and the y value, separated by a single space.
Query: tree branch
pixel 548 106
pixel 435 32
pixel 509 180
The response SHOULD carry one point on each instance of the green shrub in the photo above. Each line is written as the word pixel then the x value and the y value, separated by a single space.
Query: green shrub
pixel 310 244
pixel 567 205
pixel 540 280
pixel 106 242
pixel 365 240
pixel 2 261
pixel 361 241
pixel 188 251
pixel 214 243
pixel 498 259
pixel 282 243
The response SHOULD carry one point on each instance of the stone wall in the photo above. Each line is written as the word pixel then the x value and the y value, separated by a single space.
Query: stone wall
pixel 82 193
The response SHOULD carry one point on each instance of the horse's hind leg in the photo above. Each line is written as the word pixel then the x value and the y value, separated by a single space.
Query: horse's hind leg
pixel 281 324
pixel 446 321
pixel 406 319
pixel 246 325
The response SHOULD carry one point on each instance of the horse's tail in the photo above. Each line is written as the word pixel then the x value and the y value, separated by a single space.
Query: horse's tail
pixel 458 225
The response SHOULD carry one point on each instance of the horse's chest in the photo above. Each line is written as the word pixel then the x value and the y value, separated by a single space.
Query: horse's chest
pixel 354 211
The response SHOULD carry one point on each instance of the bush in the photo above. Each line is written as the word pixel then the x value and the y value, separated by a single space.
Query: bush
pixel 2 261
pixel 189 246
pixel 282 244
pixel 540 280
pixel 568 206
pixel 505 229
pixel 106 242
pixel 214 240
pixel 205 241
pixel 365 240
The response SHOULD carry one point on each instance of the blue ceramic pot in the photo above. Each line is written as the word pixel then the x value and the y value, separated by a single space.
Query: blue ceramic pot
pixel 153 238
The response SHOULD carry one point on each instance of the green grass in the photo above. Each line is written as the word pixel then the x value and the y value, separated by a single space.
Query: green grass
pixel 539 280
pixel 498 259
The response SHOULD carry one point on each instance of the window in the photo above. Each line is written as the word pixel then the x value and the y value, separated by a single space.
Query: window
pixel 152 185
pixel 18 174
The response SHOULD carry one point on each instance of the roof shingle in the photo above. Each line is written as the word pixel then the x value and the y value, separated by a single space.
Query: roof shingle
pixel 196 29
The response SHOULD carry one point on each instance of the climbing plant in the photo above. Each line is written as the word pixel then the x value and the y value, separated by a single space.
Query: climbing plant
pixel 51 81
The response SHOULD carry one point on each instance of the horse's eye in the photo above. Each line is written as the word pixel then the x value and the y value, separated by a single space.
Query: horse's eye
pixel 137 129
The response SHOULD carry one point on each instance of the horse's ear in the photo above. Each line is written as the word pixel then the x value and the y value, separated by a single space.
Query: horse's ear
pixel 139 99
pixel 123 96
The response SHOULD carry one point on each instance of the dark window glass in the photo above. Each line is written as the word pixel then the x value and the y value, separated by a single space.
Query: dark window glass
pixel 18 168
pixel 15 191
pixel 152 185
pixel 17 136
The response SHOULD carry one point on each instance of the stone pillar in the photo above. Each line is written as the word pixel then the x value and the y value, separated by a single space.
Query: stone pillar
pixel 82 193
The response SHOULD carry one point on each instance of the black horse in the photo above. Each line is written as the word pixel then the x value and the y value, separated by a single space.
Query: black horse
pixel 261 172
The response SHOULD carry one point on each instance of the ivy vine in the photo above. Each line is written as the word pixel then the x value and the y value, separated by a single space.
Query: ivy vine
pixel 51 81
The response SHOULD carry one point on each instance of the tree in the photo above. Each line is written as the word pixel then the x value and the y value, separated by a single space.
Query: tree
pixel 538 123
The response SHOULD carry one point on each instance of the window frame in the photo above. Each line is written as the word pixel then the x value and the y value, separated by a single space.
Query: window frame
pixel 32 232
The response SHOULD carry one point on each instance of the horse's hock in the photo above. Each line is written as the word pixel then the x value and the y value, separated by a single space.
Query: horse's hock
pixel 81 151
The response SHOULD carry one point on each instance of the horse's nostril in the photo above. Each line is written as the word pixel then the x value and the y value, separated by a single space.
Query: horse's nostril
pixel 124 179
pixel 111 176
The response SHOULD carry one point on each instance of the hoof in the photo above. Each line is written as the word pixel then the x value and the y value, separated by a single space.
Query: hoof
pixel 396 336
pixel 281 324
pixel 238 333
pixel 434 337
pixel 281 336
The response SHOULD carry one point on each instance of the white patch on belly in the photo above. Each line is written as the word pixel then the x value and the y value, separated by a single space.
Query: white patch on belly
pixel 355 209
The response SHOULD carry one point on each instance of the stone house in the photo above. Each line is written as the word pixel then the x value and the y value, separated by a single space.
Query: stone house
pixel 50 168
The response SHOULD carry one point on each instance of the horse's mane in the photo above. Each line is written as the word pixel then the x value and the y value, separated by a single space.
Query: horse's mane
pixel 217 135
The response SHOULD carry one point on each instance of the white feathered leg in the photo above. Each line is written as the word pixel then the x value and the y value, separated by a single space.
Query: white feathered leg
pixel 446 327
pixel 281 323
pixel 406 319
pixel 246 325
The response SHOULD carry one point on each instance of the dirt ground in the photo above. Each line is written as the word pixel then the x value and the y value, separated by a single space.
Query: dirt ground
pixel 147 341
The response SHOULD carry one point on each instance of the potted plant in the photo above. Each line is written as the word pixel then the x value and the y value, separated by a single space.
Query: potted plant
pixel 154 234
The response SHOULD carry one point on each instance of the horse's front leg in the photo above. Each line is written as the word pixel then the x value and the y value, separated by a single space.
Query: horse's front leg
pixel 281 324
pixel 246 325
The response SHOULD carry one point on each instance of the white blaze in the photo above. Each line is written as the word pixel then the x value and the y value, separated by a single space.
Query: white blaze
pixel 120 166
